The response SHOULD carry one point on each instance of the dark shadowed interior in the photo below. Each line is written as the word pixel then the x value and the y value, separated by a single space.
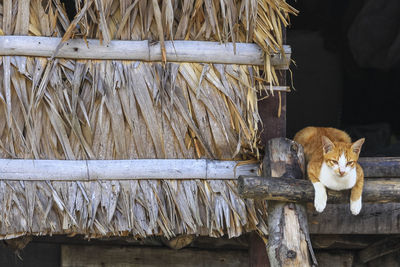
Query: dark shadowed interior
pixel 347 72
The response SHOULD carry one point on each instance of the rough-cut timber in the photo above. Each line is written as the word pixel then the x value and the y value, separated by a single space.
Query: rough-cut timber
pixel 288 240
pixel 176 51
pixel 287 189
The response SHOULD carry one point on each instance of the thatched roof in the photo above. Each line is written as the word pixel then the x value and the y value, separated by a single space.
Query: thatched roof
pixel 92 109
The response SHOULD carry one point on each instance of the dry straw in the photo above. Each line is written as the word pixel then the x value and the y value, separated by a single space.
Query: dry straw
pixel 88 109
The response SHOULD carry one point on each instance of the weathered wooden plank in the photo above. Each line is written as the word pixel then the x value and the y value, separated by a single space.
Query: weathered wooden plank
pixel 258 256
pixel 335 241
pixel 149 257
pixel 375 219
pixel 332 259
pixel 176 51
pixel 86 170
pixel 288 189
pixel 388 167
pixel 288 241
pixel 200 242
pixel 272 111
pixel 383 247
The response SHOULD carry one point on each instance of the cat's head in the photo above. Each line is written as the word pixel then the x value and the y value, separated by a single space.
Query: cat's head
pixel 341 157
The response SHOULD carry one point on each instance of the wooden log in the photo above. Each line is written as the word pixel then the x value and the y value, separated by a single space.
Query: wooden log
pixel 288 243
pixel 380 248
pixel 176 51
pixel 287 189
pixel 388 167
pixel 88 170
pixel 151 257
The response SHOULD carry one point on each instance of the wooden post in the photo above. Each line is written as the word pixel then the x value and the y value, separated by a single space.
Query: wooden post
pixel 289 242
pixel 272 111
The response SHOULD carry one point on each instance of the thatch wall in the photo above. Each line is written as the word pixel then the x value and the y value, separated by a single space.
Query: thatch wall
pixel 73 109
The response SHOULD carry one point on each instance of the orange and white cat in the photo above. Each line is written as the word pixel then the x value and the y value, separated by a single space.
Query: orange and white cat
pixel 332 163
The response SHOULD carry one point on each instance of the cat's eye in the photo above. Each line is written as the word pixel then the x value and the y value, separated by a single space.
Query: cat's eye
pixel 350 163
pixel 333 162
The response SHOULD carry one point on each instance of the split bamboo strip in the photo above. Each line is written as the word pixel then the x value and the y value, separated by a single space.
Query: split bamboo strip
pixel 176 51
pixel 91 170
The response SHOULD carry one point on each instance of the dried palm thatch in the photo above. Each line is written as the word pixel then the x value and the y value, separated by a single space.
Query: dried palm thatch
pixel 92 109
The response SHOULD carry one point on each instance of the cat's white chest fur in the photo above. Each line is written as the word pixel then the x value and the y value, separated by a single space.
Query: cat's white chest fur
pixel 329 178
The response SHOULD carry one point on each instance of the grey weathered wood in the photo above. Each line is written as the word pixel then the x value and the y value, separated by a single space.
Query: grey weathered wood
pixel 287 189
pixel 377 219
pixel 176 51
pixel 338 259
pixel 86 170
pixel 388 167
pixel 149 257
pixel 380 248
pixel 288 242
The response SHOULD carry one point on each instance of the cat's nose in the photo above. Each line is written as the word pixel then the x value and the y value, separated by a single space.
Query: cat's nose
pixel 341 173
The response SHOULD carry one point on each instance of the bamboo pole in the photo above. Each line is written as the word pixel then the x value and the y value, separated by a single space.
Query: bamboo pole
pixel 176 51
pixel 88 170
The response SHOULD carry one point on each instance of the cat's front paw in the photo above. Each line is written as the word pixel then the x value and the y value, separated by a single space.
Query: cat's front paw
pixel 320 197
pixel 355 206
pixel 320 203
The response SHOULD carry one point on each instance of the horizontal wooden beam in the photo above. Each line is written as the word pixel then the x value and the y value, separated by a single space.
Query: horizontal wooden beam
pixel 295 190
pixel 176 51
pixel 374 219
pixel 388 167
pixel 88 170
pixel 145 256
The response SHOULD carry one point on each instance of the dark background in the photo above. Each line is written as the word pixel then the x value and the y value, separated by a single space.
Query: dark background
pixel 348 70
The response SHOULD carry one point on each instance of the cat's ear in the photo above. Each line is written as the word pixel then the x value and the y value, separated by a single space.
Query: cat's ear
pixel 327 144
pixel 356 146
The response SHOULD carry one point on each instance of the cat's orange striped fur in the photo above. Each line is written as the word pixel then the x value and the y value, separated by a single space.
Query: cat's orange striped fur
pixel 332 163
